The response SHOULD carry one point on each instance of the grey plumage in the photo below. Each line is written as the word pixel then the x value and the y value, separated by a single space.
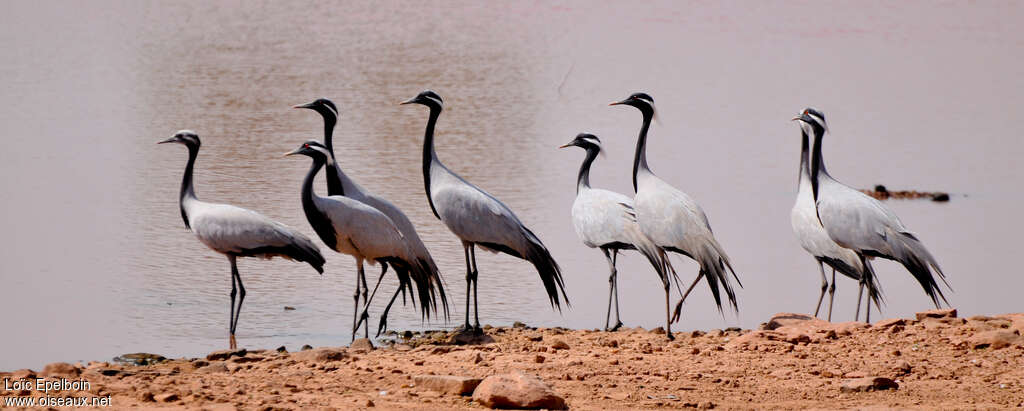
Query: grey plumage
pixel 237 232
pixel 351 227
pixel 340 184
pixel 858 222
pixel 478 218
pixel 672 219
pixel 607 220
pixel 815 240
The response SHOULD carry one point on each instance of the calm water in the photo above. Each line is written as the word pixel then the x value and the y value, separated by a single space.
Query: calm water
pixel 95 260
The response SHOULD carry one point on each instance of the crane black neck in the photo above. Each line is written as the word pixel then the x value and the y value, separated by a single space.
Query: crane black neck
pixel 429 155
pixel 817 163
pixel 321 224
pixel 334 186
pixel 640 159
pixel 804 149
pixel 187 192
pixel 583 180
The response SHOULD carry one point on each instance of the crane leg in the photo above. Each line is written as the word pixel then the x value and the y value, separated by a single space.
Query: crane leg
pixel 355 307
pixel 476 300
pixel 365 316
pixel 611 287
pixel 615 283
pixel 824 287
pixel 383 325
pixel 469 281
pixel 860 293
pixel 234 292
pixel 831 294
pixel 241 298
pixel 668 313
pixel 366 300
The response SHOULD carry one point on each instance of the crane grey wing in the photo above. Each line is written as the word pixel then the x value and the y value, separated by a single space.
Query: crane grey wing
pixel 235 230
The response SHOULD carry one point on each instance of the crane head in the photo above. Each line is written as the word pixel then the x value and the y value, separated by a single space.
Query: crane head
pixel 323 106
pixel 313 149
pixel 812 118
pixel 427 98
pixel 186 137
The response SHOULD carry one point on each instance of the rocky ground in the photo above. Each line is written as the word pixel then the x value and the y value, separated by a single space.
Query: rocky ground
pixel 793 361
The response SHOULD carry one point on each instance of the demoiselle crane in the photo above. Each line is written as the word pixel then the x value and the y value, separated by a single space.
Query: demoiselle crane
pixel 856 221
pixel 340 184
pixel 363 232
pixel 814 239
pixel 479 219
pixel 606 220
pixel 237 232
pixel 673 220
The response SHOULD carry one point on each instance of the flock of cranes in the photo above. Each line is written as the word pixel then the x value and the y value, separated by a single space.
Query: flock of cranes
pixel 839 226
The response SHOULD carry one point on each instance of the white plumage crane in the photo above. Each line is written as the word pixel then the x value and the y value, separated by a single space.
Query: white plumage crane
pixel 340 184
pixel 237 232
pixel 856 221
pixel 814 239
pixel 351 227
pixel 673 220
pixel 606 220
pixel 479 219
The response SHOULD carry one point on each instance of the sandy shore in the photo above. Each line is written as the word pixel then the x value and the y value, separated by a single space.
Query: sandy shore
pixel 792 362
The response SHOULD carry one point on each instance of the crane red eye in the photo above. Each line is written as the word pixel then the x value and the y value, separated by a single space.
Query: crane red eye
pixel 305 146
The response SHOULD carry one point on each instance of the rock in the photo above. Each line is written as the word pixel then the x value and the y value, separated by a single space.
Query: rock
pixel 306 347
pixel 289 308
pixel 559 345
pixel 218 366
pixel 407 334
pixel 849 327
pixel 225 354
pixel 139 358
pixel 146 396
pixel 361 344
pixel 370 404
pixel 937 313
pixel 517 390
pixel 282 349
pixel 658 330
pixel 476 358
pixel 798 320
pixel 538 359
pixel 995 339
pixel 23 374
pixel 868 384
pixel 855 374
pixel 167 397
pixel 518 324
pixel 447 384
pixel 470 337
pixel 320 355
pixel 890 322
pixel 61 369
pixel 902 368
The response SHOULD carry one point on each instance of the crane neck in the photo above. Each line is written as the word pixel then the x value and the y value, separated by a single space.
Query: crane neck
pixel 583 180
pixel 640 159
pixel 334 184
pixel 187 192
pixel 321 224
pixel 804 152
pixel 818 170
pixel 429 155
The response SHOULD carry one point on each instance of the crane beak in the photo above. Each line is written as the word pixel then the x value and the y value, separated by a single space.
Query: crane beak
pixel 615 103
pixel 795 118
pixel 170 140
pixel 307 105
pixel 293 152
pixel 565 145
pixel 409 101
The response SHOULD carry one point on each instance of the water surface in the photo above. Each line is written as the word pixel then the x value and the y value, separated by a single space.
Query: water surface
pixel 95 260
